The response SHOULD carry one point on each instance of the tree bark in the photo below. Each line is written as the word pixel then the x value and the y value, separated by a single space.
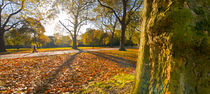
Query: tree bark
pixel 122 38
pixel 2 43
pixel 112 39
pixel 74 42
pixel 169 61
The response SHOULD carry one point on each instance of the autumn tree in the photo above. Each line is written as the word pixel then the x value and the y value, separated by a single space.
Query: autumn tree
pixel 132 32
pixel 61 40
pixel 106 21
pixel 173 56
pixel 15 38
pixel 5 20
pixel 36 28
pixel 122 9
pixel 94 37
pixel 12 13
pixel 78 11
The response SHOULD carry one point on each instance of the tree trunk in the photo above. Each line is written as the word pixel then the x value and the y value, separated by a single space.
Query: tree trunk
pixel 74 42
pixel 2 43
pixel 173 56
pixel 112 39
pixel 122 38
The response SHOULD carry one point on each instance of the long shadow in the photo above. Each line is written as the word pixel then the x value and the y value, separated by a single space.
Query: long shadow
pixel 128 55
pixel 43 87
pixel 118 60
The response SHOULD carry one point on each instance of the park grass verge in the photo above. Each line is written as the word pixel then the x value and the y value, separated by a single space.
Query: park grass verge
pixel 29 50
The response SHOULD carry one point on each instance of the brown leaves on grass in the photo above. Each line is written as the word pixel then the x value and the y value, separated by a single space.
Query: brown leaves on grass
pixel 27 74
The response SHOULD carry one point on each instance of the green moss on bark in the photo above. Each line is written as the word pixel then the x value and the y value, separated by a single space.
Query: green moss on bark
pixel 174 52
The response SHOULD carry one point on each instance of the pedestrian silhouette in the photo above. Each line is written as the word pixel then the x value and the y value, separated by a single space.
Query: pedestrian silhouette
pixel 34 49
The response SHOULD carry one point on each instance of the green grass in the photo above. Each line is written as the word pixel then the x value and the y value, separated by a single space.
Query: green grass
pixel 121 83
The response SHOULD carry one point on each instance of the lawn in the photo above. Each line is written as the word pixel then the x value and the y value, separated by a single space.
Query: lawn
pixel 29 50
pixel 85 72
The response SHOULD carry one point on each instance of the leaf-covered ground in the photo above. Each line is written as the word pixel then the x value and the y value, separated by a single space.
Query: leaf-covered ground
pixel 72 73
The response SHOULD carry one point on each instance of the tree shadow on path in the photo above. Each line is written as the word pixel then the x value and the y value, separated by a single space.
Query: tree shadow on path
pixel 40 89
pixel 118 60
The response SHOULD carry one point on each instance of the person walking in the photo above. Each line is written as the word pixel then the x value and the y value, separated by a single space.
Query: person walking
pixel 34 49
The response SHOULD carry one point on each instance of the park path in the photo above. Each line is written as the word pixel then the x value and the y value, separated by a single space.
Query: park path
pixel 13 56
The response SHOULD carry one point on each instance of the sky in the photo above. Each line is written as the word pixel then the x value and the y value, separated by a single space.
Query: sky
pixel 53 26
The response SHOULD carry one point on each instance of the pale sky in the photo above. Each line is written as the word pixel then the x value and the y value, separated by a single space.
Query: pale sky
pixel 54 26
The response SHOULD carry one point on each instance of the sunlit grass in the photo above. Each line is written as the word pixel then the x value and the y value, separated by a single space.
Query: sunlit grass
pixel 29 50
pixel 129 54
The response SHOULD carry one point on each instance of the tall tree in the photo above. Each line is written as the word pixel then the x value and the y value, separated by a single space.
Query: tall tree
pixel 78 11
pixel 106 21
pixel 122 9
pixel 15 38
pixel 174 52
pixel 5 23
pixel 35 27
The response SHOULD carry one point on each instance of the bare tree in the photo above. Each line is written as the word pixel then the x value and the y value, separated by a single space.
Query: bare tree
pixel 129 7
pixel 5 23
pixel 78 10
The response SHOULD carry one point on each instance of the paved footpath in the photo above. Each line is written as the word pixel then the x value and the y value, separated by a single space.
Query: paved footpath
pixel 12 56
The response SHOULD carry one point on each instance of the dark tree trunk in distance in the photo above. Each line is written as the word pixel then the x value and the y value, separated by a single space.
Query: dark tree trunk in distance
pixel 2 43
pixel 122 38
pixel 74 42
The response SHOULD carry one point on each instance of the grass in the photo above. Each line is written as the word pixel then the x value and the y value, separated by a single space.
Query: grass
pixel 129 54
pixel 118 84
pixel 29 50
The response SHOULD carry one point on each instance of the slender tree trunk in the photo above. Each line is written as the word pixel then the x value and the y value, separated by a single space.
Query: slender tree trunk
pixel 75 35
pixel 123 26
pixel 74 42
pixel 75 31
pixel 169 61
pixel 2 43
pixel 112 39
pixel 122 38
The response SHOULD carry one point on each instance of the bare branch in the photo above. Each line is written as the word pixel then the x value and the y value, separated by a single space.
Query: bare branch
pixel 66 28
pixel 83 6
pixel 79 28
pixel 131 12
pixel 13 26
pixel 69 21
pixel 134 4
pixel 82 21
pixel 6 5
pixel 14 13
pixel 111 10
pixel 2 3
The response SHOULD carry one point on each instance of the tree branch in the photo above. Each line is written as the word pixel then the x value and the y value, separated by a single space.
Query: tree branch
pixel 13 25
pixel 2 3
pixel 6 5
pixel 7 20
pixel 69 21
pixel 66 28
pixel 131 12
pixel 111 10
pixel 134 4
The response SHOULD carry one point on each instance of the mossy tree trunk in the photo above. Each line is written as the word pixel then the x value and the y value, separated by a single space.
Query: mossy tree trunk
pixel 173 56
